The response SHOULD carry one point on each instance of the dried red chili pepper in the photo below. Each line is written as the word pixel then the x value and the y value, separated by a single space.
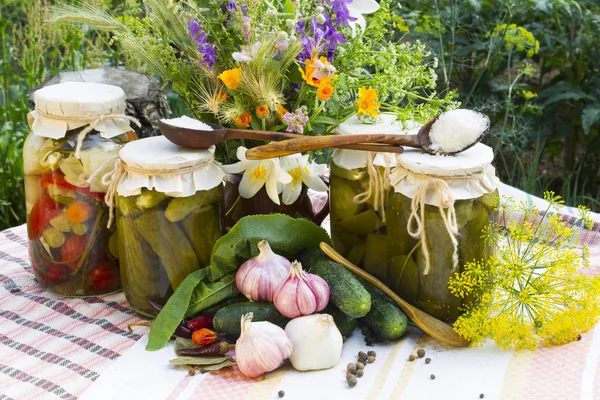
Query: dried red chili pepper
pixel 204 336
pixel 203 321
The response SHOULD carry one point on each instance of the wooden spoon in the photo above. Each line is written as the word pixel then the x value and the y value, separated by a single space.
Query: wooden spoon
pixel 203 139
pixel 420 141
pixel 432 326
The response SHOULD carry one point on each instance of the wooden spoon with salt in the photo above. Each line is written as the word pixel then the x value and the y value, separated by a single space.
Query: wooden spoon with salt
pixel 432 326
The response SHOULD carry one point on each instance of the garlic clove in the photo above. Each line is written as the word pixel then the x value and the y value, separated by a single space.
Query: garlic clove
pixel 320 289
pixel 307 303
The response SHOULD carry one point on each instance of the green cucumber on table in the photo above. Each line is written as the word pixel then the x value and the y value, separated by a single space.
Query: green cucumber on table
pixel 346 292
pixel 345 324
pixel 385 318
pixel 227 319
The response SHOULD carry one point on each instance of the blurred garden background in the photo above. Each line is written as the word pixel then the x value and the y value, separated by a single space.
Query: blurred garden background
pixel 533 66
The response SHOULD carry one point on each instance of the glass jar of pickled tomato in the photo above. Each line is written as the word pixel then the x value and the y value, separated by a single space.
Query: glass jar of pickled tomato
pixel 76 129
pixel 437 211
pixel 169 216
pixel 357 202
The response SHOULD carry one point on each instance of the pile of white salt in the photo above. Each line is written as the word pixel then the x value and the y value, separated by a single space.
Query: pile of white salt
pixel 455 130
pixel 187 122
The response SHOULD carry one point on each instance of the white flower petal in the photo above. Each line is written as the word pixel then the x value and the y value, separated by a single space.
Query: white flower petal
pixel 271 185
pixel 284 177
pixel 314 182
pixel 291 193
pixel 249 186
pixel 234 168
pixel 240 57
pixel 288 163
pixel 360 20
pixel 241 153
pixel 362 7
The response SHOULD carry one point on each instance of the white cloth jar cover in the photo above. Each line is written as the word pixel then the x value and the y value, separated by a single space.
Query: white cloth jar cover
pixel 469 174
pixel 156 163
pixel 71 105
pixel 387 124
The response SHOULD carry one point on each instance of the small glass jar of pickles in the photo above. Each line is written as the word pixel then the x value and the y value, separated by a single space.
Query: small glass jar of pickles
pixel 169 216
pixel 357 203
pixel 425 247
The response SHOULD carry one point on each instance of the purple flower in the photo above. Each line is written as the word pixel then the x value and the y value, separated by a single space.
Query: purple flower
pixel 206 49
pixel 325 38
pixel 246 29
pixel 295 121
pixel 342 14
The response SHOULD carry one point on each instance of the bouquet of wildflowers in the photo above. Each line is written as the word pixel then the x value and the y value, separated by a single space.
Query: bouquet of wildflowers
pixel 301 66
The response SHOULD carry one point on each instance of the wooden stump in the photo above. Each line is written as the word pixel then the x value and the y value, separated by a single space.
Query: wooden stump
pixel 145 99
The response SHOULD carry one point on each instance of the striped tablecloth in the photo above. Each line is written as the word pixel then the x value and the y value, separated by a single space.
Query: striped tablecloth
pixel 53 347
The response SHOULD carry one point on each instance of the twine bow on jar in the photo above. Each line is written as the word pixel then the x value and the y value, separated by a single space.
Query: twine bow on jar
pixel 91 122
pixel 379 184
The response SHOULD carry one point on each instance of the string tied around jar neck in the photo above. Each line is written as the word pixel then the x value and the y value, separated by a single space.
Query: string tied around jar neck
pixel 379 184
pixel 91 121
pixel 112 178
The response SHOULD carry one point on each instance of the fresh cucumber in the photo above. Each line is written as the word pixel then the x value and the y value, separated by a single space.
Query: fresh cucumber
pixel 227 319
pixel 345 290
pixel 344 323
pixel 385 318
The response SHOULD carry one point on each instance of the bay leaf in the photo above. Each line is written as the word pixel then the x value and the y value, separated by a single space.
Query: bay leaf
pixel 205 294
pixel 208 361
pixel 287 236
pixel 184 344
pixel 216 367
pixel 173 312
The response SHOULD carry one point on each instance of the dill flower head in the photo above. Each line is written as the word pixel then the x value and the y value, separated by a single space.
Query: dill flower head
pixel 532 291
pixel 367 104
pixel 243 121
pixel 232 78
pixel 325 92
pixel 262 112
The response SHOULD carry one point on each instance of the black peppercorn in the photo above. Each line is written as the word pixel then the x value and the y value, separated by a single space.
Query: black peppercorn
pixel 421 353
pixel 432 376
pixel 481 396
pixel 281 393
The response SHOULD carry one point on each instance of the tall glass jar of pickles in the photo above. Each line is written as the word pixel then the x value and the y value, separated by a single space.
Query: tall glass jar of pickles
pixel 75 129
pixel 169 216
pixel 357 204
pixel 420 264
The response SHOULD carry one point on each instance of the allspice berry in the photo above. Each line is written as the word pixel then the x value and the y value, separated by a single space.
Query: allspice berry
pixel 421 353
pixel 481 396
pixel 372 353
pixel 352 381
pixel 411 358
pixel 281 393
pixel 370 359
pixel 432 376
pixel 362 355
pixel 427 360
pixel 360 373
pixel 360 365
pixel 351 368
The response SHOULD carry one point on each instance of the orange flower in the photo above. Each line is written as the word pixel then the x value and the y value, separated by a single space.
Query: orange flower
pixel 325 92
pixel 366 102
pixel 221 97
pixel 232 78
pixel 262 112
pixel 317 72
pixel 281 111
pixel 243 121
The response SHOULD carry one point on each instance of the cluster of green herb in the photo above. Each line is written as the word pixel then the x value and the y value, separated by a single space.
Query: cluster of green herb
pixel 532 67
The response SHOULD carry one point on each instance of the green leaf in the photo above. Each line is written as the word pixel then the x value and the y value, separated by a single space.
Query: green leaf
pixel 208 294
pixel 173 312
pixel 326 120
pixel 288 7
pixel 197 360
pixel 287 236
pixel 591 115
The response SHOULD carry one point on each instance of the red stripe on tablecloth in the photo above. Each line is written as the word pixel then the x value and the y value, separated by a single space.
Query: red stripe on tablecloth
pixel 557 372
pixel 38 382
pixel 228 384
pixel 180 388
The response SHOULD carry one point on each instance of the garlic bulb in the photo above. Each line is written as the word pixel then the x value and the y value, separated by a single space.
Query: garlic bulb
pixel 259 277
pixel 261 348
pixel 316 340
pixel 301 293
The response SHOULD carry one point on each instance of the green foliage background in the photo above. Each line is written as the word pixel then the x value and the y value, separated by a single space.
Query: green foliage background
pixel 544 105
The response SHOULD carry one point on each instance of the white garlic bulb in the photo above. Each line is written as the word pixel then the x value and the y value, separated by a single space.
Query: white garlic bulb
pixel 301 293
pixel 317 342
pixel 261 348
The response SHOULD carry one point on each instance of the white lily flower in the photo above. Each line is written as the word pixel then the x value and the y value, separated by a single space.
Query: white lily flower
pixel 258 173
pixel 359 7
pixel 248 53
pixel 302 172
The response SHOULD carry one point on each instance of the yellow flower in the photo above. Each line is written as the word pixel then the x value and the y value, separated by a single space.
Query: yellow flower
pixel 366 102
pixel 281 111
pixel 317 72
pixel 221 97
pixel 232 78
pixel 243 121
pixel 325 92
pixel 262 112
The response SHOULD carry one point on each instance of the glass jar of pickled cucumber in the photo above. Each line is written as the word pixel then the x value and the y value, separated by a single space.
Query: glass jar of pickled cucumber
pixel 169 216
pixel 76 128
pixel 452 198
pixel 357 203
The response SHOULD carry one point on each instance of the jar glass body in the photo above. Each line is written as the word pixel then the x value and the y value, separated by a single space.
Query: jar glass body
pixel 357 230
pixel 406 262
pixel 238 207
pixel 72 251
pixel 163 239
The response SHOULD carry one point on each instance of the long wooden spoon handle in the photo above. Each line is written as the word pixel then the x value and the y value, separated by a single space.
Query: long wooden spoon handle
pixel 282 136
pixel 305 143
